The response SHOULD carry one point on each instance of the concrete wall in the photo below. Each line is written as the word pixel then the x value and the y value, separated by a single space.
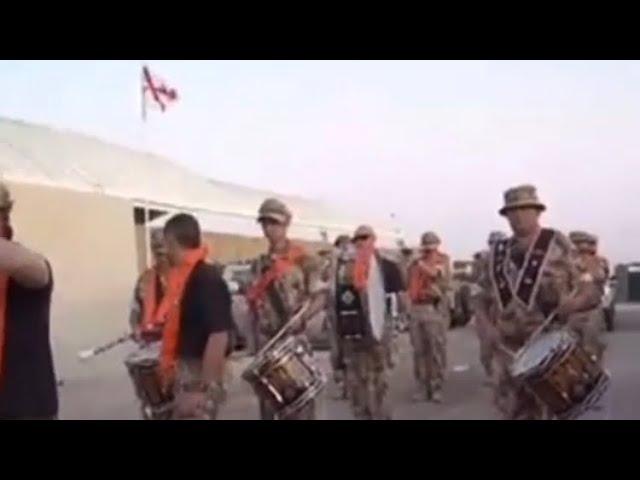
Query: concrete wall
pixel 89 240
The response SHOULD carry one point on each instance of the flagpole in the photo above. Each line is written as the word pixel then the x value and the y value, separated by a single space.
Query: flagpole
pixel 143 144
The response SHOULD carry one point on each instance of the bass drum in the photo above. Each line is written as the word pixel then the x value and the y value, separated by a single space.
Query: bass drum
pixel 376 302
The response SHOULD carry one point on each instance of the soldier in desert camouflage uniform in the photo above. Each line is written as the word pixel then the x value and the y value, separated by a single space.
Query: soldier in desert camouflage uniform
pixel 533 276
pixel 366 359
pixel 590 325
pixel 287 276
pixel 481 303
pixel 341 244
pixel 429 282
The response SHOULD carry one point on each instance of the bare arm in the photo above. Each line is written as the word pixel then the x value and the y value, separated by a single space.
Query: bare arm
pixel 213 360
pixel 26 267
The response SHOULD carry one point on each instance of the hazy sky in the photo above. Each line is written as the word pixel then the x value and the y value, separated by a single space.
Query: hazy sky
pixel 435 142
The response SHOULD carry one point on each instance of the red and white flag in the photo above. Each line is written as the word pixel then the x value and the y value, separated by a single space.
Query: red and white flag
pixel 155 92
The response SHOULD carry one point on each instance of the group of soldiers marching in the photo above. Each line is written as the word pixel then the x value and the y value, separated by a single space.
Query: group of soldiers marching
pixel 523 279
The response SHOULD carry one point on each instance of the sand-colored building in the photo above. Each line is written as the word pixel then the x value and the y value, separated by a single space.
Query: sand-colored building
pixel 88 206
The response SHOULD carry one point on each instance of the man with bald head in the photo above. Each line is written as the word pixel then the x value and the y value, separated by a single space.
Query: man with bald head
pixel 366 357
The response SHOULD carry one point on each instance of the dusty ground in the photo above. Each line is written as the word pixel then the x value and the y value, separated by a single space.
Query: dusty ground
pixel 109 394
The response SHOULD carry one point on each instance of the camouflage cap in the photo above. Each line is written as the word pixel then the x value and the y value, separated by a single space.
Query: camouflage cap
pixel 364 231
pixel 578 236
pixel 496 236
pixel 274 209
pixel 5 197
pixel 522 196
pixel 429 240
pixel 341 239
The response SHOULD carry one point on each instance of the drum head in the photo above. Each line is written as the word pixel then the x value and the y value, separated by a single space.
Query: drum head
pixel 148 354
pixel 376 300
pixel 539 351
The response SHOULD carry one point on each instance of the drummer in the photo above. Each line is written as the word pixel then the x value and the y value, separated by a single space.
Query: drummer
pixel 196 313
pixel 148 293
pixel 542 262
pixel 367 359
pixel 286 278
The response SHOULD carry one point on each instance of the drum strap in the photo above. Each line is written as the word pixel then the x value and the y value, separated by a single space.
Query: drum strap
pixel 529 275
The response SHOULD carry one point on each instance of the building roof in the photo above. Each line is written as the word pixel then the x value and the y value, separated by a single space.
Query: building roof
pixel 41 155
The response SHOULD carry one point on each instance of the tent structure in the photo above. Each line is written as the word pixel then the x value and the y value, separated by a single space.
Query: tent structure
pixel 88 205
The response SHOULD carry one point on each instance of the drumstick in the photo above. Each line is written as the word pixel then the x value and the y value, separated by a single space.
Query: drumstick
pixel 285 328
pixel 92 352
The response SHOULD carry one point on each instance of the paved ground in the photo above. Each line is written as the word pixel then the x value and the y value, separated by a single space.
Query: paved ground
pixel 110 395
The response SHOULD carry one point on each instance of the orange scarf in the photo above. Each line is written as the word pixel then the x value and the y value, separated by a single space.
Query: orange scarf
pixel 4 284
pixel 282 264
pixel 421 278
pixel 362 266
pixel 168 311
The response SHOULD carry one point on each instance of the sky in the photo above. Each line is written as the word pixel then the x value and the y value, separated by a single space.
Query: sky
pixel 435 143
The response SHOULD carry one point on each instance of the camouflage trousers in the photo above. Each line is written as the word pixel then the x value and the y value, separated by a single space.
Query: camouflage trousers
pixel 188 375
pixel 366 378
pixel 428 332
pixel 487 349
pixel 307 412
pixel 513 401
pixel 590 329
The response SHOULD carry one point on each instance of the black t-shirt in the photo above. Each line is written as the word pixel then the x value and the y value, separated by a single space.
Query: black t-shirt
pixel 28 385
pixel 391 276
pixel 205 309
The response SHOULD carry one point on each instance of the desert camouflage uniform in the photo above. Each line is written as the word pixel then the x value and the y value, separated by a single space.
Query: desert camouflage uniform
pixel 366 377
pixel 294 289
pixel 590 326
pixel 515 324
pixel 367 361
pixel 481 306
pixel 428 332
pixel 335 342
pixel 188 379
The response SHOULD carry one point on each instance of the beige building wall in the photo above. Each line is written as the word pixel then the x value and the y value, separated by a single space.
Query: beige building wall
pixel 89 240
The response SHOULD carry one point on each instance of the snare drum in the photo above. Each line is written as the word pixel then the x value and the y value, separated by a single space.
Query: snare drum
pixel 285 376
pixel 557 370
pixel 143 366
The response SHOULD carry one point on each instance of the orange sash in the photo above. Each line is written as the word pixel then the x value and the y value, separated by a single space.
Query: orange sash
pixel 169 310
pixel 362 265
pixel 282 264
pixel 421 277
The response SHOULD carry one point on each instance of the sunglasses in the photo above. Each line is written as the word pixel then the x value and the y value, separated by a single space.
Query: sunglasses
pixel 359 238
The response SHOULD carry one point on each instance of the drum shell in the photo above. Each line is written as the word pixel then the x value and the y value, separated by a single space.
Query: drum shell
pixel 285 376
pixel 568 381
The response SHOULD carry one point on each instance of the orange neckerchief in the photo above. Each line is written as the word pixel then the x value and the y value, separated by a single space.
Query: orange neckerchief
pixel 169 310
pixel 362 265
pixel 282 264
pixel 420 276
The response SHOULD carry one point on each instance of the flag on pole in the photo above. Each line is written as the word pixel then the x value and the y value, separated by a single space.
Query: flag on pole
pixel 155 92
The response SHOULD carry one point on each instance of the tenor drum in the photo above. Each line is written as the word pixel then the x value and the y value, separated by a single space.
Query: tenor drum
pixel 144 369
pixel 560 373
pixel 285 376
